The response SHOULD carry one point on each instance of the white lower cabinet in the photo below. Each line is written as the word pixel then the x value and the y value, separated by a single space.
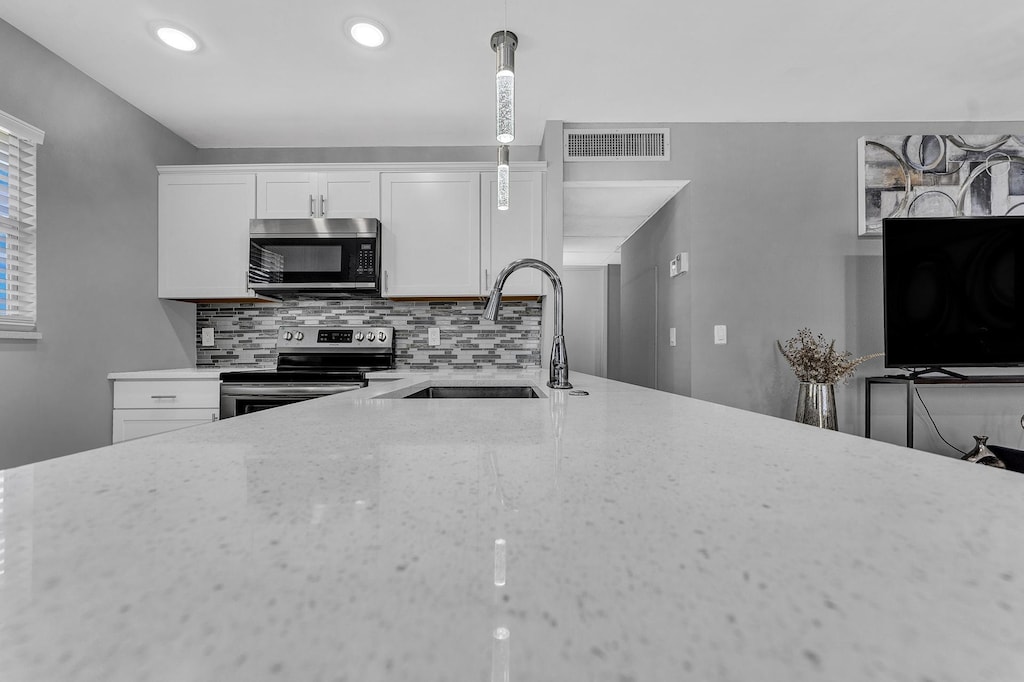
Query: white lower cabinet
pixel 144 407
pixel 129 424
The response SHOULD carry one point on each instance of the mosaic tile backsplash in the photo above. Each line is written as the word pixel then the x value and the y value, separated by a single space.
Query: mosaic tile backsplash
pixel 245 334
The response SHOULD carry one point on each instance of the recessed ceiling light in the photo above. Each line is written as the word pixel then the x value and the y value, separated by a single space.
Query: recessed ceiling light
pixel 366 32
pixel 175 36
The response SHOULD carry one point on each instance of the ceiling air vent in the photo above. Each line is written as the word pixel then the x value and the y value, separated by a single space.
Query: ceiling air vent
pixel 616 144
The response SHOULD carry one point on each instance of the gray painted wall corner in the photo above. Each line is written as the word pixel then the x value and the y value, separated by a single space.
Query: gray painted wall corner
pixel 97 221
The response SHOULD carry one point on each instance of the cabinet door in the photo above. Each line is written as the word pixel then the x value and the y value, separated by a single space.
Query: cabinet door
pixel 287 194
pixel 130 424
pixel 349 194
pixel 431 234
pixel 506 236
pixel 203 235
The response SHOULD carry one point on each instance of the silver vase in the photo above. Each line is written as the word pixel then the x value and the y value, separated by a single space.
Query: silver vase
pixel 982 455
pixel 816 405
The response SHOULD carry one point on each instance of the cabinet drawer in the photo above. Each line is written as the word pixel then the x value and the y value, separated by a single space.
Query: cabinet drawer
pixel 166 394
pixel 129 424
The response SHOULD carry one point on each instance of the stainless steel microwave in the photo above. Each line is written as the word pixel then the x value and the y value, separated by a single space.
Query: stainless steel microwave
pixel 315 255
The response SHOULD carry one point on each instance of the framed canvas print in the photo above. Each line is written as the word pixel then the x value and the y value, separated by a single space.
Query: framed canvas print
pixel 901 176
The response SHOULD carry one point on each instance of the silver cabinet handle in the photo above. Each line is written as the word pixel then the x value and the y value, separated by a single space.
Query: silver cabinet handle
pixel 487 279
pixel 213 416
pixel 386 290
pixel 163 397
pixel 312 210
pixel 323 206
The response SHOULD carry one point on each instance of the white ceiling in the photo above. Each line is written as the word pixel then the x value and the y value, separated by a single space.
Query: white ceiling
pixel 274 73
pixel 277 74
pixel 599 216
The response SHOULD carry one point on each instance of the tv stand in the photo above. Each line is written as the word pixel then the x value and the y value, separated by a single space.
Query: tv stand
pixel 914 379
pixel 918 373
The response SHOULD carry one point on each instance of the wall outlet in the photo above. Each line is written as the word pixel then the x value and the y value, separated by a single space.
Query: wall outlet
pixel 720 337
pixel 208 336
pixel 671 336
pixel 434 336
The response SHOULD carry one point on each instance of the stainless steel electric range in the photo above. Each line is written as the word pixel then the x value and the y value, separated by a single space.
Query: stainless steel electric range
pixel 311 362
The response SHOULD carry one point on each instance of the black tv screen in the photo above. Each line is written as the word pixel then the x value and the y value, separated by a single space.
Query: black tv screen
pixel 953 291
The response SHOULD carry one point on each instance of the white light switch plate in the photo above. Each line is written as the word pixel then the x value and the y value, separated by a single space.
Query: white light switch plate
pixel 434 336
pixel 720 337
pixel 208 336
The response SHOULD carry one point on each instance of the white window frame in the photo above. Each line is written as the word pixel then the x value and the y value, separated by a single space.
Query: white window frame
pixel 21 223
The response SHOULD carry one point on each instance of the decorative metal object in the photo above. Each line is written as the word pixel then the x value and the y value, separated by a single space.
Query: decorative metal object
pixel 816 405
pixel 982 455
pixel 908 176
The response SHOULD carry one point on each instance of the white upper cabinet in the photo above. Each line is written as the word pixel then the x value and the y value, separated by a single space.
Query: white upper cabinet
pixel 506 236
pixel 431 234
pixel 349 194
pixel 287 194
pixel 327 194
pixel 203 235
pixel 442 233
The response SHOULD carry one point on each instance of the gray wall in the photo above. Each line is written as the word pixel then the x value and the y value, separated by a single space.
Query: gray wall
pixel 771 213
pixel 614 322
pixel 98 310
pixel 586 311
pixel 652 302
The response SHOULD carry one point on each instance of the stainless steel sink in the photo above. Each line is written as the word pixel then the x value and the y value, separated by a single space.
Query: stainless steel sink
pixel 475 392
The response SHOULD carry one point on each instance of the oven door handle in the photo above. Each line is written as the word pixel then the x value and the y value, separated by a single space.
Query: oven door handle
pixel 260 391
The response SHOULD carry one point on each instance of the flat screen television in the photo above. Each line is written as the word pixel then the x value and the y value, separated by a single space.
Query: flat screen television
pixel 953 292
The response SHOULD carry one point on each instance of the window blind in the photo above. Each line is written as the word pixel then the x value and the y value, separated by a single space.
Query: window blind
pixel 17 223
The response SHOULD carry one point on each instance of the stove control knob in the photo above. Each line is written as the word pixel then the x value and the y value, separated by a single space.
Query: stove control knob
pixel 371 336
pixel 382 336
pixel 287 336
pixel 359 336
pixel 299 336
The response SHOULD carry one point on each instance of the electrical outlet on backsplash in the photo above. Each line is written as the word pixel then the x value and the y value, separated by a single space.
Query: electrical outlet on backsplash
pixel 246 333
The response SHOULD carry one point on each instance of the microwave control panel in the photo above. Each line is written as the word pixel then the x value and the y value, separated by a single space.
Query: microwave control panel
pixel 366 261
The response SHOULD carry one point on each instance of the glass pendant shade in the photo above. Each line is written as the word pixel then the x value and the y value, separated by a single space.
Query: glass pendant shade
pixel 506 98
pixel 504 45
pixel 502 178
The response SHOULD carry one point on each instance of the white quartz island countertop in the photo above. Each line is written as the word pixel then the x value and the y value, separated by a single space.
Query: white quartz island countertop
pixel 627 535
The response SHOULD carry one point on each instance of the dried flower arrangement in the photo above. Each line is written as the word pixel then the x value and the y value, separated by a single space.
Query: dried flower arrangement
pixel 815 359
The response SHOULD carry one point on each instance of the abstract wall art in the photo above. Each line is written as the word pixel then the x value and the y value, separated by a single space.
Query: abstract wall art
pixel 904 176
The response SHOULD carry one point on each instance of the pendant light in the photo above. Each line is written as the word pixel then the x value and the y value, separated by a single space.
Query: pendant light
pixel 503 178
pixel 504 45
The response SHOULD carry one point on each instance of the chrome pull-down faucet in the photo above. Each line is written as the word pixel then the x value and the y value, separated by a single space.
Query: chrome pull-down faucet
pixel 558 369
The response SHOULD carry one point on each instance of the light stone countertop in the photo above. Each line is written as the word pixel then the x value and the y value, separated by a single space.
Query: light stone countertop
pixel 645 536
pixel 184 373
